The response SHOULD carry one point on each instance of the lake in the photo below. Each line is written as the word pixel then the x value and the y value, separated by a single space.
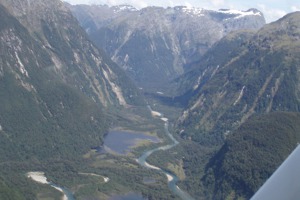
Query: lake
pixel 121 142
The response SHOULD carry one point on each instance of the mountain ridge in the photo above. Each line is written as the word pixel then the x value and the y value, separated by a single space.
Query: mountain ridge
pixel 244 89
pixel 71 50
pixel 250 79
pixel 57 93
pixel 155 44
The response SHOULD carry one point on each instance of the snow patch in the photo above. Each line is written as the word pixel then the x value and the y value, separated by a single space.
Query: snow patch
pixel 193 11
pixel 121 8
pixel 240 13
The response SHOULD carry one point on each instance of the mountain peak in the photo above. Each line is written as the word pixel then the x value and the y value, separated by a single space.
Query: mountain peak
pixel 124 7
pixel 239 13
pixel 171 37
pixel 193 11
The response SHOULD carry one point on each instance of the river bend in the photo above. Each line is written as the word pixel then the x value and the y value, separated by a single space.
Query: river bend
pixel 172 178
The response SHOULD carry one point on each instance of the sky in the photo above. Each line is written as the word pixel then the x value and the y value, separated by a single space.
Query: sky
pixel 272 9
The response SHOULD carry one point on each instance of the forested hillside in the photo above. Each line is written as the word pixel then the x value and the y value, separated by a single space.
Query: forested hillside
pixel 251 154
pixel 223 106
pixel 242 75
pixel 246 74
pixel 56 89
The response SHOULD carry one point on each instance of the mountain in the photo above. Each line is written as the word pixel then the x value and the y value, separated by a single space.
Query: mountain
pixel 244 93
pixel 55 91
pixel 154 44
pixel 251 154
pixel 74 58
pixel 243 74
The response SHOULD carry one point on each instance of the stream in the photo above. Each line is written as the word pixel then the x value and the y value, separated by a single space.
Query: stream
pixel 67 193
pixel 41 178
pixel 172 178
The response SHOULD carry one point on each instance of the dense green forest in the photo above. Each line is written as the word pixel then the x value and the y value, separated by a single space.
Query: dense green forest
pixel 59 97
pixel 251 154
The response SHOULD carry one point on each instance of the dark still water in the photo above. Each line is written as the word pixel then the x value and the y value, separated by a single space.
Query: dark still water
pixel 122 142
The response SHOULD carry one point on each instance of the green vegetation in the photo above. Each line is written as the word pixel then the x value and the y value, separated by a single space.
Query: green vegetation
pixel 9 193
pixel 48 118
pixel 254 73
pixel 251 154
pixel 57 103
pixel 242 75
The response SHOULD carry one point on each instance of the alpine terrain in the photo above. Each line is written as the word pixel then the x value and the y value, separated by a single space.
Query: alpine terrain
pixel 56 88
pixel 154 44
pixel 100 102
pixel 243 91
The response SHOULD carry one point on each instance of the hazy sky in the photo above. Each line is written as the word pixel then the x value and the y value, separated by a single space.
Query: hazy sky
pixel 272 9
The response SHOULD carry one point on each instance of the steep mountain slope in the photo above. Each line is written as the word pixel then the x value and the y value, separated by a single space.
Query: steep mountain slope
pixel 55 90
pixel 73 57
pixel 239 78
pixel 41 117
pixel 251 154
pixel 154 44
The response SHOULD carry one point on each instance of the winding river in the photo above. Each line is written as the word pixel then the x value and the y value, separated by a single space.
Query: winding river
pixel 172 179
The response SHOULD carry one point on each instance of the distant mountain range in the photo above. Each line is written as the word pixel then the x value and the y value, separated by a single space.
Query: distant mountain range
pixel 154 44
pixel 236 79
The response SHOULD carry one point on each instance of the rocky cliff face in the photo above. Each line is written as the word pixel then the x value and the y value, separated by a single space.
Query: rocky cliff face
pixel 235 92
pixel 55 89
pixel 243 74
pixel 73 57
pixel 154 44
